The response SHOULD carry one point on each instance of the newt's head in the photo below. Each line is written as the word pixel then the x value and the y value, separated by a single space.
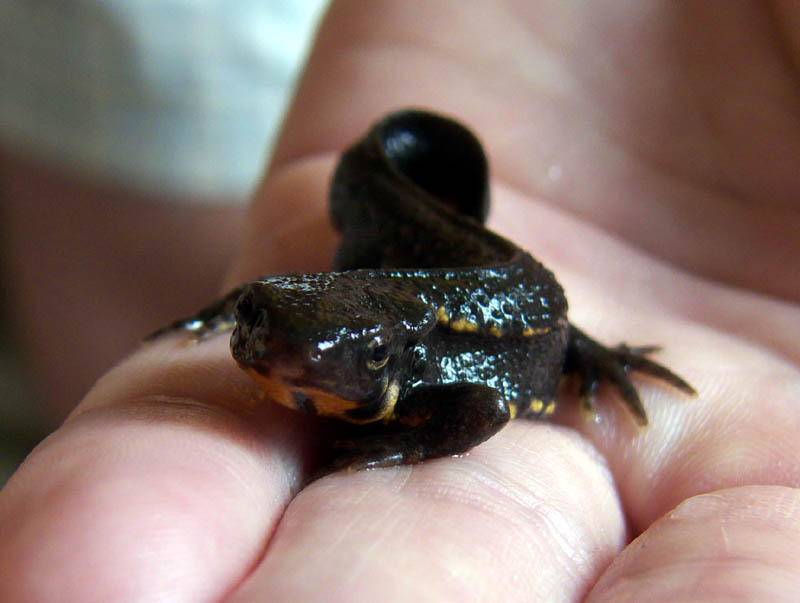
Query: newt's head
pixel 330 343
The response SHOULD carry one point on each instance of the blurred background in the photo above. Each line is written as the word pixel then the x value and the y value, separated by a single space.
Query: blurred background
pixel 131 136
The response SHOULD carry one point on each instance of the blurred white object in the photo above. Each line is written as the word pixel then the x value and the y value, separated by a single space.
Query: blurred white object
pixel 179 97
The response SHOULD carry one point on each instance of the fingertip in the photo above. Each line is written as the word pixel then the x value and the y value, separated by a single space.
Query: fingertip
pixel 169 470
pixel 739 543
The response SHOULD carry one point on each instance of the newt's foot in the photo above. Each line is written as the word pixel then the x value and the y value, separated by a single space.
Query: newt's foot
pixel 593 363
pixel 371 452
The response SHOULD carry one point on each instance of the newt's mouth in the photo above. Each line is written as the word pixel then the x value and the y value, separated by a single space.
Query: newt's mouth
pixel 303 398
pixel 285 390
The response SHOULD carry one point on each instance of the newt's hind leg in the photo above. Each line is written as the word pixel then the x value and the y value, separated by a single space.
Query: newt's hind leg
pixel 593 362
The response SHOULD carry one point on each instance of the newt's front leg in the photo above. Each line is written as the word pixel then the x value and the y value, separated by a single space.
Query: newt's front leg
pixel 442 420
pixel 215 318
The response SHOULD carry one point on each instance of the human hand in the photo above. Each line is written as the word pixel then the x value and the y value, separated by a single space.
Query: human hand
pixel 646 154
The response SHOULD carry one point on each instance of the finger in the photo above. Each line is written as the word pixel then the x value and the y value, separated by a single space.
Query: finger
pixel 288 229
pixel 160 486
pixel 736 544
pixel 531 515
pixel 369 60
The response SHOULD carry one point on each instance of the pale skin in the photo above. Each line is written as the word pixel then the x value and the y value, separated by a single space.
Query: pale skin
pixel 646 152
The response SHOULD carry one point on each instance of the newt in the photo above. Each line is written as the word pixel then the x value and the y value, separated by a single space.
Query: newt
pixel 429 324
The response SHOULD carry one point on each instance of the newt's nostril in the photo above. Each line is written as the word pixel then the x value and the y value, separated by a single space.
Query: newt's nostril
pixel 249 312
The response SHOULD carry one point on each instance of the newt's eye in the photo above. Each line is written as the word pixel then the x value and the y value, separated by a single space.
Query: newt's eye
pixel 378 355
